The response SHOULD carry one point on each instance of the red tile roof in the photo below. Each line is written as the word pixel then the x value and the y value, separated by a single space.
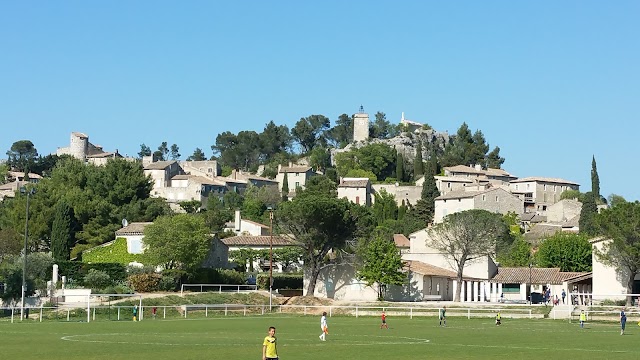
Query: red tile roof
pixel 242 240
pixel 428 269
pixel 520 275
pixel 401 241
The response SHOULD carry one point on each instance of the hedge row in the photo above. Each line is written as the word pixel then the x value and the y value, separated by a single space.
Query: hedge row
pixel 280 281
pixel 77 270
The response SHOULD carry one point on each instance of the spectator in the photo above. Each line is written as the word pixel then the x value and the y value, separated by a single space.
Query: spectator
pixel 564 295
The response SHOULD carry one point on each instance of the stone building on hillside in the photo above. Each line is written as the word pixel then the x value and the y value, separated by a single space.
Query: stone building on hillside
pixel 81 149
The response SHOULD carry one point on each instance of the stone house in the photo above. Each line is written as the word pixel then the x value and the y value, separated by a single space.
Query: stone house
pixel 297 176
pixel 133 233
pixel 538 193
pixel 356 190
pixel 407 193
pixel 495 200
pixel 161 173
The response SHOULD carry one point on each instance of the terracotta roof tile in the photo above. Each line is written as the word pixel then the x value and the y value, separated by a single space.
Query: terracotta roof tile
pixel 544 180
pixel 136 228
pixel 520 275
pixel 428 269
pixel 401 241
pixel 257 241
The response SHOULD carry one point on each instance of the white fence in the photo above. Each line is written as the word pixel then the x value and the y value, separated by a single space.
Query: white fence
pixel 147 312
pixel 218 288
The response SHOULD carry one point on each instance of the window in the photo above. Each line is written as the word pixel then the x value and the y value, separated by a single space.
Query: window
pixel 448 185
pixel 297 184
pixel 358 200
pixel 496 198
pixel 510 288
pixel 484 197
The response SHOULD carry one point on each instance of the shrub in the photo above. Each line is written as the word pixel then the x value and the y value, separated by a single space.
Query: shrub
pixel 217 276
pixel 280 281
pixel 168 283
pixel 97 279
pixel 145 282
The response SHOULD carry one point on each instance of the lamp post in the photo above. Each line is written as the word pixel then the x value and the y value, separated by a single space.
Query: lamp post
pixel 28 192
pixel 530 266
pixel 270 256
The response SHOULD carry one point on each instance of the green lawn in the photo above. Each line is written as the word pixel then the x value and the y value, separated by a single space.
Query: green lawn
pixel 349 338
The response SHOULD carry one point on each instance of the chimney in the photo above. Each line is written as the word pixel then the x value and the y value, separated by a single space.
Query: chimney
pixel 478 167
pixel 237 228
pixel 290 164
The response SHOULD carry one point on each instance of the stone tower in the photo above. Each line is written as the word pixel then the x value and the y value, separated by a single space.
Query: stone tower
pixel 361 125
pixel 78 145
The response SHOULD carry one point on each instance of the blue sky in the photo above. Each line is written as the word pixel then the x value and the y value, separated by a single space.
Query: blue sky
pixel 550 82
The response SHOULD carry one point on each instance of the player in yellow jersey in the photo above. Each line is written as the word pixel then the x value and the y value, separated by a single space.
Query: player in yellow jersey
pixel 269 350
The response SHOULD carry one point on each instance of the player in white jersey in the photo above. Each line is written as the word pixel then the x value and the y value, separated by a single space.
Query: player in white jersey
pixel 324 327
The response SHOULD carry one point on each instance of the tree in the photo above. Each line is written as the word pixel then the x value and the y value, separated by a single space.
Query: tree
pixel 342 133
pixel 318 225
pixel 517 254
pixel 465 236
pixel 144 151
pixel 320 158
pixel 614 200
pixel 175 152
pixel 380 128
pixel 177 242
pixel 494 160
pixel 620 225
pixel 572 194
pixel 308 131
pixel 285 187
pixel 190 206
pixel 320 185
pixel 244 256
pixel 274 140
pixel 587 215
pixel 198 155
pixel 287 256
pixel 381 263
pixel 417 162
pixel 240 151
pixel 162 152
pixel 10 243
pixel 62 231
pixel 426 205
pixel 400 167
pixel 569 252
pixel 384 207
pixel 22 155
pixel 378 158
pixel 595 181
pixel 4 173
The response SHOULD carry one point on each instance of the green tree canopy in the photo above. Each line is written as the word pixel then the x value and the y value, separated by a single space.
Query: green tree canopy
pixel 309 131
pixel 380 263
pixel 318 224
pixel 198 155
pixel 62 231
pixel 22 155
pixel 587 215
pixel 569 252
pixel 177 242
pixel 466 235
pixel 620 226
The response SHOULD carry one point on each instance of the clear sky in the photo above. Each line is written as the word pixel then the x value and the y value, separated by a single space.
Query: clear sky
pixel 550 82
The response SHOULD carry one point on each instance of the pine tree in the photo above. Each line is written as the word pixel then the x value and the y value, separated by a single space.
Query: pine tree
pixel 400 167
pixel 62 231
pixel 595 180
pixel 588 214
pixel 417 162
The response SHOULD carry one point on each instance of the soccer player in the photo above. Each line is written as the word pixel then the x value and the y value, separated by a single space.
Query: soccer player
pixel 384 321
pixel 324 327
pixel 498 319
pixel 442 316
pixel 583 319
pixel 623 321
pixel 269 350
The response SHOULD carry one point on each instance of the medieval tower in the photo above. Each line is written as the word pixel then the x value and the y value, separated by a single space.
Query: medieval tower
pixel 361 125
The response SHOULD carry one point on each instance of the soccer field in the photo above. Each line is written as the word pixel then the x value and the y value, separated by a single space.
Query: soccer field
pixel 349 338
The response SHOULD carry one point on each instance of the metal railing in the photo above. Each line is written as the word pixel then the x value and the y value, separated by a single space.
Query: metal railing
pixel 150 312
pixel 219 287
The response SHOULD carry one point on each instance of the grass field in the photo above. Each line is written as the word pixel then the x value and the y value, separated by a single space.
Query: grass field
pixel 349 338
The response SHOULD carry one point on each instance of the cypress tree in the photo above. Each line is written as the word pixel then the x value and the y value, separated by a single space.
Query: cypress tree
pixel 425 207
pixel 417 162
pixel 285 187
pixel 399 167
pixel 62 235
pixel 588 214
pixel 595 180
